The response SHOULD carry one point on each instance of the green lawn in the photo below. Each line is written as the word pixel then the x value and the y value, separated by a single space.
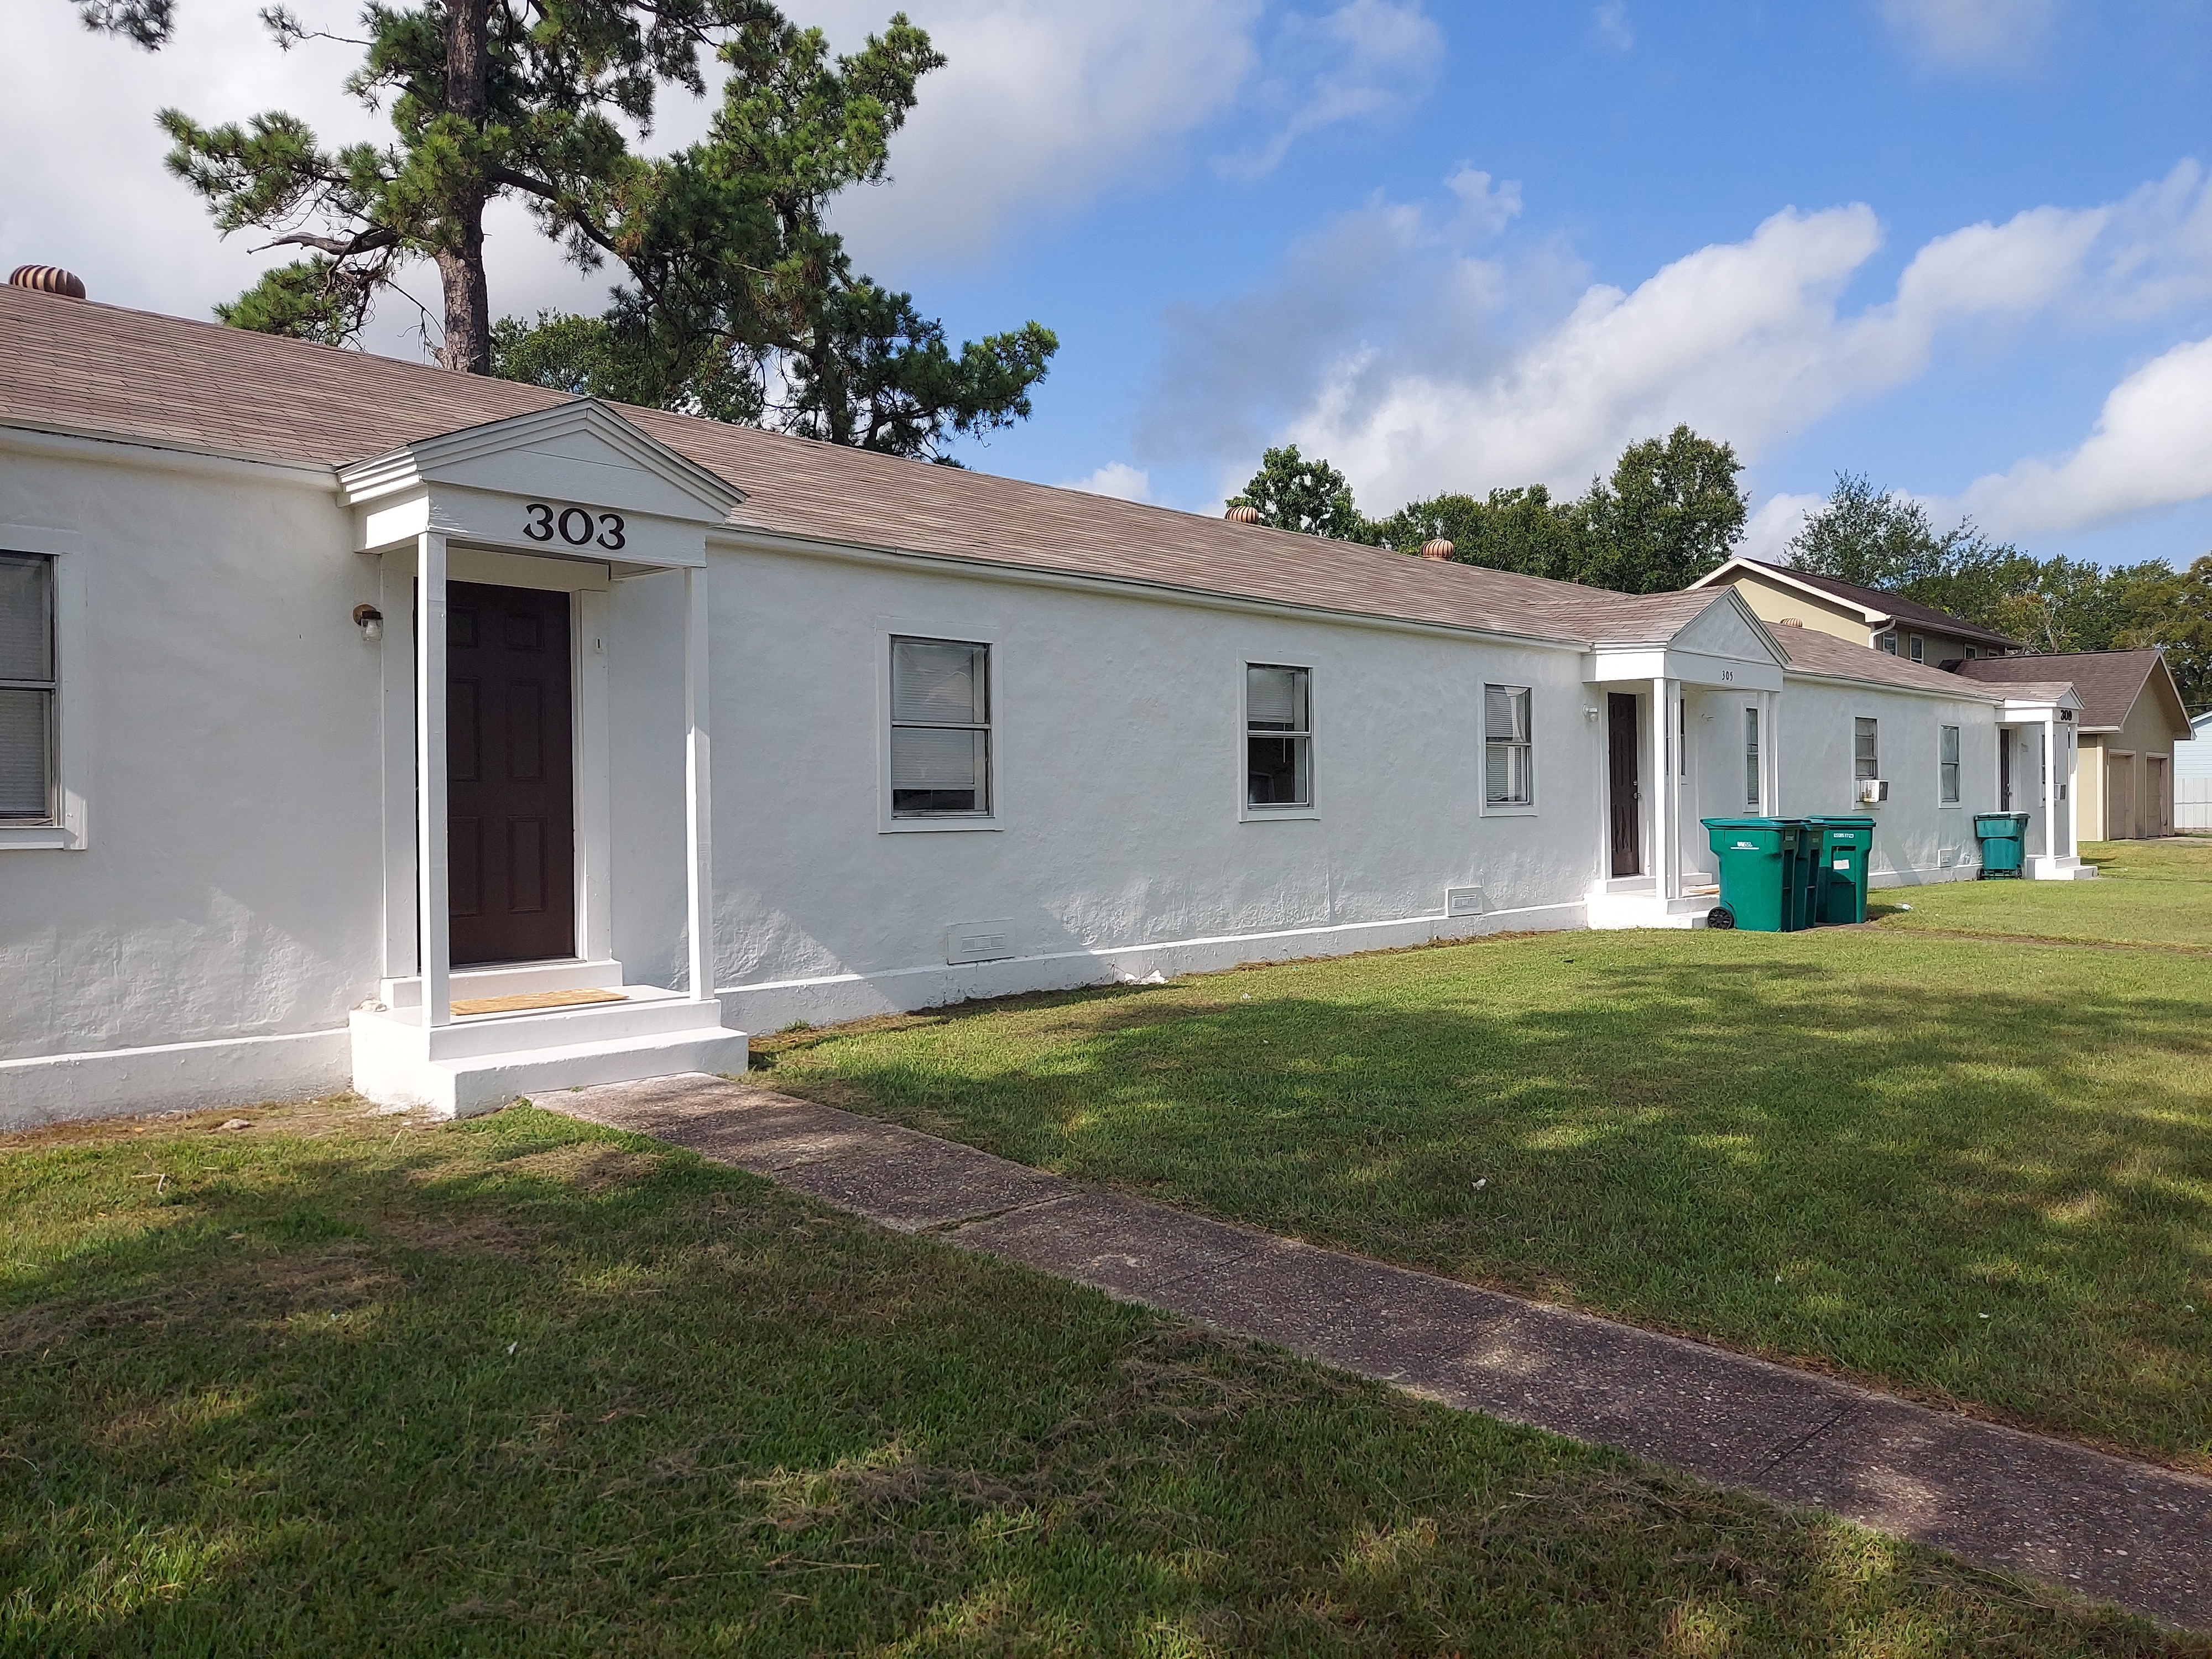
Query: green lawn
pixel 2146 892
pixel 1969 1170
pixel 336 1384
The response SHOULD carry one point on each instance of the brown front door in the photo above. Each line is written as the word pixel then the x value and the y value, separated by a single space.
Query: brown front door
pixel 510 803
pixel 1621 751
pixel 2159 820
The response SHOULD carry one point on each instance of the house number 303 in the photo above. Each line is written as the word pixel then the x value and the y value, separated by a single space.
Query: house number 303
pixel 578 526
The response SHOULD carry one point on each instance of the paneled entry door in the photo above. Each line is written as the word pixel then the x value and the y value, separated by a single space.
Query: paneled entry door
pixel 1625 792
pixel 512 864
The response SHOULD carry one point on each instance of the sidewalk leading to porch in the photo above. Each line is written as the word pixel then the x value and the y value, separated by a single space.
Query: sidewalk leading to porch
pixel 2128 1532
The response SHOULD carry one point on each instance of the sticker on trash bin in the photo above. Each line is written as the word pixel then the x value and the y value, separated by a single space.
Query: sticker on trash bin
pixel 1745 847
pixel 1843 864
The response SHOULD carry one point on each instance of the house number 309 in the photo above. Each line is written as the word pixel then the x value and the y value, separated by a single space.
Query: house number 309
pixel 574 525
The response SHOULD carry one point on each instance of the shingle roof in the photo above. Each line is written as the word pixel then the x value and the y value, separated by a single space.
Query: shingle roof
pixel 2109 681
pixel 72 365
pixel 1815 652
pixel 1881 603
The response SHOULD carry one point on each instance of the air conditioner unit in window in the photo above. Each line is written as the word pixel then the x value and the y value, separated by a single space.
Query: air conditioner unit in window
pixel 1872 790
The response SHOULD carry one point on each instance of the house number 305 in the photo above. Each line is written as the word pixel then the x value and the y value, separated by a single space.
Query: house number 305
pixel 575 525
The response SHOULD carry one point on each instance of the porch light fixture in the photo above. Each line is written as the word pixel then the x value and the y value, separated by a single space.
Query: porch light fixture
pixel 370 621
pixel 1591 713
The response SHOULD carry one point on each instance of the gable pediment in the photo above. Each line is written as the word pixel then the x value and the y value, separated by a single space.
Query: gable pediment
pixel 576 480
pixel 1727 628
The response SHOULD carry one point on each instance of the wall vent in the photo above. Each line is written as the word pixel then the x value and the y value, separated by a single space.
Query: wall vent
pixel 1464 901
pixel 979 941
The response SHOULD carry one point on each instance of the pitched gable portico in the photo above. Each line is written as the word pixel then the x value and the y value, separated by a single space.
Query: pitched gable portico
pixel 562 503
pixel 1708 659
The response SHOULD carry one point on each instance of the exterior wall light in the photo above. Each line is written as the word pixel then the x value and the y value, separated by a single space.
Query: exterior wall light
pixel 370 621
pixel 1590 714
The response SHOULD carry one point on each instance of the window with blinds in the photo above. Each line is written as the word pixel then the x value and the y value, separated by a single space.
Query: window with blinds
pixel 1947 761
pixel 1278 736
pixel 1866 758
pixel 1751 758
pixel 27 688
pixel 1508 748
pixel 940 728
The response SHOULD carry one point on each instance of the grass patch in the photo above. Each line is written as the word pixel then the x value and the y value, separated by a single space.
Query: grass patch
pixel 332 1384
pixel 1970 1171
pixel 2146 892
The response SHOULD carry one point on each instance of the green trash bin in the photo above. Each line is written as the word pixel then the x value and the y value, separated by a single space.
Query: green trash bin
pixel 1762 871
pixel 2003 836
pixel 1837 851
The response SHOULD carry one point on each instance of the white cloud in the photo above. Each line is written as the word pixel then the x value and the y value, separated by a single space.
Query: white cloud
pixel 2151 447
pixel 1365 58
pixel 1609 23
pixel 1117 478
pixel 1767 533
pixel 1429 367
pixel 1971 34
pixel 1041 107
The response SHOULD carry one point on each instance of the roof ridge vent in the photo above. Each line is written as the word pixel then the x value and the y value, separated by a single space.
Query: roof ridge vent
pixel 47 279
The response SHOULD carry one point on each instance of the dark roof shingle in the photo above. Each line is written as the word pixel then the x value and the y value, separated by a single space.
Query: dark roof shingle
pixel 2108 681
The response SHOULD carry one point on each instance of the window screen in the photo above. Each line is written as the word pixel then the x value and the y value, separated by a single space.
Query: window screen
pixel 1751 758
pixel 1508 750
pixel 1919 649
pixel 1948 762
pixel 1888 642
pixel 940 728
pixel 1278 736
pixel 27 688
pixel 1866 758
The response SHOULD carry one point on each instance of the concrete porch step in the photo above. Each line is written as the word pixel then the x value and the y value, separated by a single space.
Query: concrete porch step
pixel 482 1061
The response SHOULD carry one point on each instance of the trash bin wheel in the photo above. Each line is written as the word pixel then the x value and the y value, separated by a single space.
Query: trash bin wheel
pixel 1722 917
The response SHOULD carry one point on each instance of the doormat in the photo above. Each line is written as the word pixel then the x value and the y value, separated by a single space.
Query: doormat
pixel 528 1001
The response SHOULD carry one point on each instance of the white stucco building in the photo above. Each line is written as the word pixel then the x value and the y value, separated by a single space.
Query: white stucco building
pixel 357 719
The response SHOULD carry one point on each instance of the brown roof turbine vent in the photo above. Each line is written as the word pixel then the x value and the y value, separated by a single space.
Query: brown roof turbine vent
pixel 1243 513
pixel 47 279
pixel 1793 622
pixel 1436 547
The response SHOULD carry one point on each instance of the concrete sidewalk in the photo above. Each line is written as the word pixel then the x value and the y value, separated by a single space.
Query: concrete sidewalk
pixel 2128 1533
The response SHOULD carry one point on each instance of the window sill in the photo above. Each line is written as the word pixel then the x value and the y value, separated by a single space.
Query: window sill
pixel 1276 814
pixel 1951 805
pixel 35 837
pixel 1505 811
pixel 935 826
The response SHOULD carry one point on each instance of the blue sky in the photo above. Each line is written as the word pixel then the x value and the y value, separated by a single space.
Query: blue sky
pixel 1962 245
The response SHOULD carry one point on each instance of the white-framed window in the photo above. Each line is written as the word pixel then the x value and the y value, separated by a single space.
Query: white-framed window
pixel 1973 651
pixel 1888 642
pixel 1508 747
pixel 30 687
pixel 1277 738
pixel 1919 651
pixel 1751 758
pixel 1866 752
pixel 1946 764
pixel 940 729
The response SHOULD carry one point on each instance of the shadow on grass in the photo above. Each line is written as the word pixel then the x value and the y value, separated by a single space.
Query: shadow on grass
pixel 525 1387
pixel 1992 1189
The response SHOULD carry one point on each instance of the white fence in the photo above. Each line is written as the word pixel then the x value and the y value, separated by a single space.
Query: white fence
pixel 2192 803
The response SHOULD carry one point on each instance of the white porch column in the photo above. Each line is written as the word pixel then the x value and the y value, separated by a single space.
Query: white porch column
pixel 2055 758
pixel 436 920
pixel 1666 798
pixel 698 779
